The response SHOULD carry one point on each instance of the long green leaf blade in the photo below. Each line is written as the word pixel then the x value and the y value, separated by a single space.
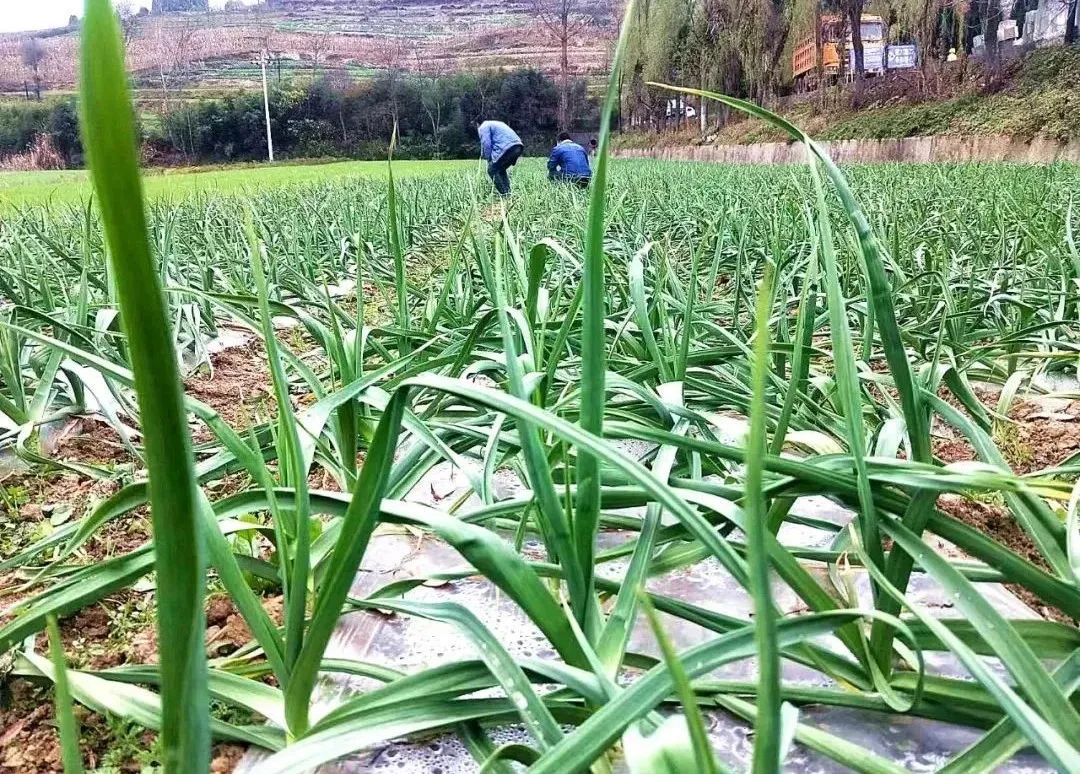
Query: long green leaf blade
pixel 109 137
pixel 65 713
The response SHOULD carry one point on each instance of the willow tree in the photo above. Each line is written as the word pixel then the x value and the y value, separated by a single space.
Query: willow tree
pixel 714 38
pixel 922 19
pixel 765 29
pixel 658 50
pixel 735 45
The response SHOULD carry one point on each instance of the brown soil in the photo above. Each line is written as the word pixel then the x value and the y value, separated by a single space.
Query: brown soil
pixel 999 524
pixel 320 478
pixel 86 638
pixel 232 484
pixel 50 496
pixel 237 386
pixel 101 636
pixel 950 450
pixel 120 536
pixel 93 442
pixel 108 634
pixel 226 631
pixel 1035 440
pixel 226 758
pixel 30 744
pixel 46 502
pixel 38 504
pixel 1048 438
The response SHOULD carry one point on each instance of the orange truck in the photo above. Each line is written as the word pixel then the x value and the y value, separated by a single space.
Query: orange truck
pixel 878 55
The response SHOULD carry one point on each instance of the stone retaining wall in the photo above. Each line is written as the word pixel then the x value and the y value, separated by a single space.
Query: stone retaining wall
pixel 908 149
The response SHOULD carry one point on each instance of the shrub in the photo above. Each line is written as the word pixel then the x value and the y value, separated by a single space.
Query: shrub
pixel 22 123
pixel 42 154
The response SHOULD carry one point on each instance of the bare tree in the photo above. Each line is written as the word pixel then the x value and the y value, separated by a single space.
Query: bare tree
pixel 430 72
pixel 128 19
pixel 991 24
pixel 390 54
pixel 341 82
pixel 176 42
pixel 564 20
pixel 34 55
pixel 317 45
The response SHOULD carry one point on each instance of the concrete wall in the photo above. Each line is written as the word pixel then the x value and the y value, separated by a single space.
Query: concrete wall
pixel 909 149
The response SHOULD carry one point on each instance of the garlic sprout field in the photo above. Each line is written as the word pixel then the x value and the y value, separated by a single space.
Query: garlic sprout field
pixel 708 469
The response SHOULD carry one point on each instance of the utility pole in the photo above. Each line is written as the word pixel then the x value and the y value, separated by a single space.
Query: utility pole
pixel 266 108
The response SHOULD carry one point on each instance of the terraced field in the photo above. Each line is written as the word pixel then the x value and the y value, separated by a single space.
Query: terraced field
pixel 217 50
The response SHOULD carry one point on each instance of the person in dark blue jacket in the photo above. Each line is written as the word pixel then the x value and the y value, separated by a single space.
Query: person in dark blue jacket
pixel 569 163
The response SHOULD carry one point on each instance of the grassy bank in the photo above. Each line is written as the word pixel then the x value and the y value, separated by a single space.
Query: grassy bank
pixel 1037 97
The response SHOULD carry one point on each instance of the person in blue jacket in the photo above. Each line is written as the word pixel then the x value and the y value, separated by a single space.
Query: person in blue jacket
pixel 501 148
pixel 569 163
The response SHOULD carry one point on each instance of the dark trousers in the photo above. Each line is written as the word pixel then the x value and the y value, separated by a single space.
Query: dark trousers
pixel 498 169
pixel 580 182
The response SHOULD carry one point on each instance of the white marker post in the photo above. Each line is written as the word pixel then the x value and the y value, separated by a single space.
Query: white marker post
pixel 266 108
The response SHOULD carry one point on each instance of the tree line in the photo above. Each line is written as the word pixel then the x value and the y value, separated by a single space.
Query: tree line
pixel 329 116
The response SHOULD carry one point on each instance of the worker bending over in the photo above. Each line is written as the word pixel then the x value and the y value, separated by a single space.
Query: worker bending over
pixel 501 148
pixel 569 163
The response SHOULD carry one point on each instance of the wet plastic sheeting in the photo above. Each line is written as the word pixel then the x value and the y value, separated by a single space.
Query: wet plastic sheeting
pixel 410 644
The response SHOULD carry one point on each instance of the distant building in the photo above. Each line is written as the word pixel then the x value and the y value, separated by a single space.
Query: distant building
pixel 1042 26
pixel 1046 24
